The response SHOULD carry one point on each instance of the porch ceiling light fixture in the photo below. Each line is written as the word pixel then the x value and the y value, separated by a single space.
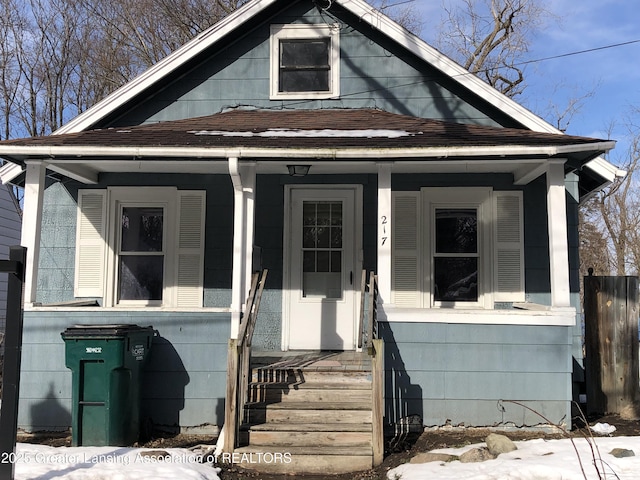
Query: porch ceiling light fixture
pixel 298 170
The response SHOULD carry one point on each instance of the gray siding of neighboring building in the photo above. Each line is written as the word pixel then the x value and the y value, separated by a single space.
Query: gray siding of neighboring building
pixel 10 227
pixel 184 382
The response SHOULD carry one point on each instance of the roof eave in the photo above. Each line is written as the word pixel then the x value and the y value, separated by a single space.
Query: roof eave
pixel 78 152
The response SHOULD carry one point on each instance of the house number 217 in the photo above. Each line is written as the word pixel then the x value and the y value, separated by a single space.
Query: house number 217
pixel 383 223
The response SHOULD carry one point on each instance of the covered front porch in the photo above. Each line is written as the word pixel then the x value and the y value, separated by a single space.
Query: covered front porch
pixel 395 154
pixel 256 217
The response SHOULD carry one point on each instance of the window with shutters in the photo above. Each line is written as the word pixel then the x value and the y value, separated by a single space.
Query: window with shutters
pixel 141 246
pixel 304 61
pixel 457 247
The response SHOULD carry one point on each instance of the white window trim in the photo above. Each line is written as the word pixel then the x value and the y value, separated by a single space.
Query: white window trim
pixel 412 240
pixel 98 235
pixel 479 198
pixel 554 316
pixel 302 32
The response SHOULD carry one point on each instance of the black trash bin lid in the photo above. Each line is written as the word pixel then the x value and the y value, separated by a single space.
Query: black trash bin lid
pixel 109 330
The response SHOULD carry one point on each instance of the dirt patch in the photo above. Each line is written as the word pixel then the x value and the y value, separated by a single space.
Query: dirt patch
pixel 398 451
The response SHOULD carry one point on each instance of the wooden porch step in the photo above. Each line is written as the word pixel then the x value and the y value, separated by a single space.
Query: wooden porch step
pixel 301 377
pixel 278 412
pixel 325 406
pixel 308 438
pixel 310 393
pixel 310 460
pixel 310 427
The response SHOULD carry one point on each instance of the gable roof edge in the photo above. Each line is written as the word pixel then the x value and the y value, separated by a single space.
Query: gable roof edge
pixel 448 66
pixel 174 60
pixel 359 8
pixel 364 12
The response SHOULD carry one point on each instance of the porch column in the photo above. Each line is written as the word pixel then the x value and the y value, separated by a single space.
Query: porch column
pixel 384 231
pixel 32 224
pixel 558 240
pixel 243 178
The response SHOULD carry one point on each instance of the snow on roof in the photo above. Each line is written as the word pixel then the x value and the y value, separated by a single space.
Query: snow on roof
pixel 324 133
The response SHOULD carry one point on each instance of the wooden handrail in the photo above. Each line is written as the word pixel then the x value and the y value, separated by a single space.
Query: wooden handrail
pixel 372 332
pixel 363 289
pixel 375 349
pixel 239 364
pixel 368 331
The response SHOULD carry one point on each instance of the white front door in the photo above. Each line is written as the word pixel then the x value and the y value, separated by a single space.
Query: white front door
pixel 323 265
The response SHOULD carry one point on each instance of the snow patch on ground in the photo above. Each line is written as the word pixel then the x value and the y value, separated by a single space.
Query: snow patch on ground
pixel 109 463
pixel 535 460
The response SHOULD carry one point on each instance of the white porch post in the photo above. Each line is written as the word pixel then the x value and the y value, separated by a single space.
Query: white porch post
pixel 32 224
pixel 243 178
pixel 558 242
pixel 384 231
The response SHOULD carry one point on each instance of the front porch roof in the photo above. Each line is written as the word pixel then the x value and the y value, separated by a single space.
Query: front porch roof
pixel 331 139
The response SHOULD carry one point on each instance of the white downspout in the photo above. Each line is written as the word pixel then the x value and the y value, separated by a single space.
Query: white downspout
pixel 238 268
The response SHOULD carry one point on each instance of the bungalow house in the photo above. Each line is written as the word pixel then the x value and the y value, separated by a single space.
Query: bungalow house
pixel 316 140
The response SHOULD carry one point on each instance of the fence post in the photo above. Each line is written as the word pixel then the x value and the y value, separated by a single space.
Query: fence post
pixel 611 345
pixel 15 267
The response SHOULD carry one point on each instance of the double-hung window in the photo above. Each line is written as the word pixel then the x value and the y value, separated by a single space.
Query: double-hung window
pixel 141 246
pixel 457 247
pixel 456 256
pixel 304 61
pixel 141 254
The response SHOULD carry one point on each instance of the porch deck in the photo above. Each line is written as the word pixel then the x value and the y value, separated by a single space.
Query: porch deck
pixel 337 361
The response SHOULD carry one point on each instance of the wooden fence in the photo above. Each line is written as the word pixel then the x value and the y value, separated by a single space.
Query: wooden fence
pixel 611 345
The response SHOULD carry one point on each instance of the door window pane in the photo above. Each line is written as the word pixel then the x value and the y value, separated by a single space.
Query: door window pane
pixel 322 249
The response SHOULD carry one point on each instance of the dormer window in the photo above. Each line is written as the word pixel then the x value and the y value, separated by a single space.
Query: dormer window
pixel 304 61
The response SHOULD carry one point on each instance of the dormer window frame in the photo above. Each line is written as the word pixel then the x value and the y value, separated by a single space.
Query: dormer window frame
pixel 300 33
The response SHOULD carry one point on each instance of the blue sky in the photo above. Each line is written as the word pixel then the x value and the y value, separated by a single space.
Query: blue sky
pixel 612 75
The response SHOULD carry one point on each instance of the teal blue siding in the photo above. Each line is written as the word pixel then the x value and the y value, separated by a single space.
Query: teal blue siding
pixel 374 72
pixel 184 382
pixel 463 374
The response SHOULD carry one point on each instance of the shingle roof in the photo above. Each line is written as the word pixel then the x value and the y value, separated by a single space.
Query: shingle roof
pixel 332 128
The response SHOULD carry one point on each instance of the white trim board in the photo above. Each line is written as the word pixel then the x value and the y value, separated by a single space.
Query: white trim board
pixel 552 317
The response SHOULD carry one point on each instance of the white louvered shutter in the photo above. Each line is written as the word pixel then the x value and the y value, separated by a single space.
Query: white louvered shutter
pixel 508 247
pixel 190 249
pixel 90 243
pixel 405 243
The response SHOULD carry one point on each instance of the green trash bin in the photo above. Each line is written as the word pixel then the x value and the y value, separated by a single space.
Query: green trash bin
pixel 106 363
